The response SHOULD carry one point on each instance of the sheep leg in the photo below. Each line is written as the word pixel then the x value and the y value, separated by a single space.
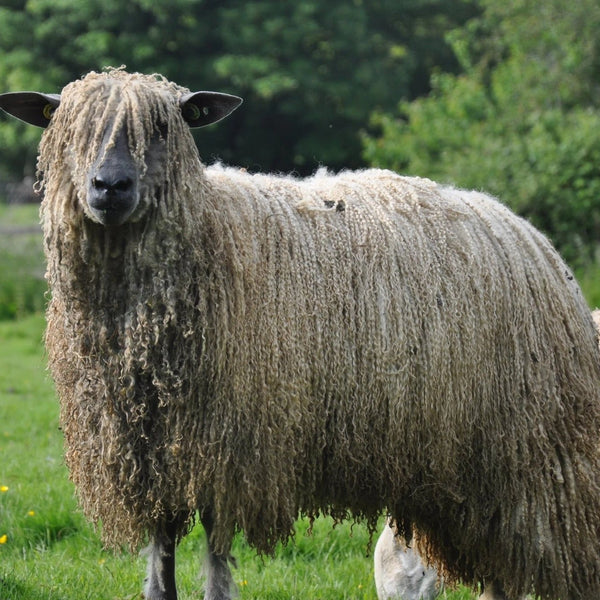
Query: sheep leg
pixel 493 591
pixel 160 582
pixel 218 581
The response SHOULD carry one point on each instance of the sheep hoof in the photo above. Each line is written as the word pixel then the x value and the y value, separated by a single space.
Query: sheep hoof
pixel 155 593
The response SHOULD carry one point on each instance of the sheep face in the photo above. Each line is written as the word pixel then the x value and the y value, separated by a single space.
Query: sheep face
pixel 114 148
pixel 112 189
pixel 117 188
pixel 111 138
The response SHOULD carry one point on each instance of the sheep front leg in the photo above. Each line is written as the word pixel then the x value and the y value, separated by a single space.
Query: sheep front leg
pixel 218 581
pixel 160 582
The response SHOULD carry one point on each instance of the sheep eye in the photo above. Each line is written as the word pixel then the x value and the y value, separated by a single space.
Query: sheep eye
pixel 48 111
pixel 191 112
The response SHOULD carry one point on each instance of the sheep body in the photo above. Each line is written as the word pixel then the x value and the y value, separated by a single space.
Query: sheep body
pixel 251 346
pixel 399 569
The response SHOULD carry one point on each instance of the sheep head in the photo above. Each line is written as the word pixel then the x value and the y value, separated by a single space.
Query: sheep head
pixel 111 131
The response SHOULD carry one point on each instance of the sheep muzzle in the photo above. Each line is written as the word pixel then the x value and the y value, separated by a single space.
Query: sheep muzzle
pixel 113 182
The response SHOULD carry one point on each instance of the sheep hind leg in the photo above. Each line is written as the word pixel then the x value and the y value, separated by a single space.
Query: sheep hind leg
pixel 218 581
pixel 160 582
pixel 493 591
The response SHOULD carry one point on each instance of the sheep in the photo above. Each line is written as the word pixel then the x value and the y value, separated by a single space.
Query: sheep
pixel 243 348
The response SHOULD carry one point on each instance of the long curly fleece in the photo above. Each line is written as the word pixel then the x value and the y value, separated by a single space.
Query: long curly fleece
pixel 344 344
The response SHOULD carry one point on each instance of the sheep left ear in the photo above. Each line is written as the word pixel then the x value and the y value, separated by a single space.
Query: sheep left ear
pixel 203 108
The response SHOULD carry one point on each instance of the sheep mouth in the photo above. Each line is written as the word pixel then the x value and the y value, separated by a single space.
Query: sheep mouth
pixel 112 202
pixel 111 211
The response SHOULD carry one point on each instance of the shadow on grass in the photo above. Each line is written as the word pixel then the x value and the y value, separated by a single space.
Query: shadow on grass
pixel 48 534
pixel 13 589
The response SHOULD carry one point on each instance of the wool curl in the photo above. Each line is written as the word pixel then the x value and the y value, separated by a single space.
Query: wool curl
pixel 265 346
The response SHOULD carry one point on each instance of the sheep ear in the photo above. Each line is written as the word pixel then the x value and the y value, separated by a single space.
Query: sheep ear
pixel 32 107
pixel 203 108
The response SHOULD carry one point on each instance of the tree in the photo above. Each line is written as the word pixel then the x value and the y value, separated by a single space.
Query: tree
pixel 521 121
pixel 310 72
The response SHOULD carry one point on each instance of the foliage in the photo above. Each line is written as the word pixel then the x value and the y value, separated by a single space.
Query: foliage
pixel 588 277
pixel 22 284
pixel 520 122
pixel 310 72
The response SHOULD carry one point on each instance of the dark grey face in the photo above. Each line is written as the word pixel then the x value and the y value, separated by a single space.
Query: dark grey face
pixel 113 189
pixel 117 186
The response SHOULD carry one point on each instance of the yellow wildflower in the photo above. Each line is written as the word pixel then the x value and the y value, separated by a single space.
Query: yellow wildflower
pixel 31 513
pixel 3 488
pixel 3 539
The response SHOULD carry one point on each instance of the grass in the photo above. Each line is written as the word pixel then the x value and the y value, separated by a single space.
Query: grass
pixel 51 553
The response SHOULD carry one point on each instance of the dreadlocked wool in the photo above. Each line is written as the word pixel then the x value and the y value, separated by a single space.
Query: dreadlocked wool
pixel 342 345
pixel 398 569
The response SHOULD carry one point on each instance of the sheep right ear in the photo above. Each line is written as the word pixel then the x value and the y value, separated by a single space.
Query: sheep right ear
pixel 203 108
pixel 32 107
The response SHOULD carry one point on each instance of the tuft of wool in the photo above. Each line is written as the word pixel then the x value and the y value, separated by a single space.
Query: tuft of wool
pixel 343 344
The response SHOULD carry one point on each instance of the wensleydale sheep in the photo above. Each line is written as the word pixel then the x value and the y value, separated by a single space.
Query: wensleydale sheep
pixel 251 347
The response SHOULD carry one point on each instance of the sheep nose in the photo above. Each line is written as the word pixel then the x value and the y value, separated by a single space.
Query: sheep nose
pixel 112 197
pixel 112 188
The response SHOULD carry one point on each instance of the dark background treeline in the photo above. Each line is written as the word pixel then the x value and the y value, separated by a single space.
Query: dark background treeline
pixel 311 72
pixel 499 95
